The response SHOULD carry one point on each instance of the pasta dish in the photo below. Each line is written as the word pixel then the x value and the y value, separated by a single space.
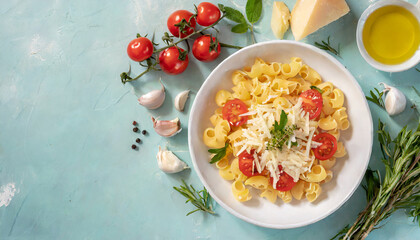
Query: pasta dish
pixel 277 131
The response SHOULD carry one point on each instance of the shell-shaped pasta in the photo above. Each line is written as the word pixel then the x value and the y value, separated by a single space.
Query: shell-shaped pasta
pixel 340 114
pixel 235 136
pixel 344 124
pixel 326 87
pixel 240 192
pixel 259 182
pixel 298 190
pixel 238 76
pixel 209 138
pixel 327 164
pixel 317 174
pixel 270 194
pixel 241 92
pixel 275 68
pixel 222 163
pixel 265 78
pixel 310 75
pixel 257 69
pixel 327 123
pixel 290 69
pixel 222 96
pixel 327 107
pixel 215 119
pixel 226 173
pixel 329 177
pixel 341 150
pixel 312 190
pixel 337 98
pixel 281 101
pixel 237 174
pixel 285 196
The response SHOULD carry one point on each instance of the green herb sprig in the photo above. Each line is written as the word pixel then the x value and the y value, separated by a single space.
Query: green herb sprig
pixel 201 199
pixel 326 45
pixel 398 189
pixel 418 70
pixel 219 153
pixel 253 11
pixel 280 134
pixel 376 98
pixel 318 89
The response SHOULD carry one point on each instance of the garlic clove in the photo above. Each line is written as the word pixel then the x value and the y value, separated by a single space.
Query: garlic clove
pixel 167 128
pixel 180 100
pixel 395 101
pixel 169 162
pixel 153 99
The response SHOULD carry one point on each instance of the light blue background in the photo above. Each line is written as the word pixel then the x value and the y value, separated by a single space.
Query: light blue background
pixel 65 125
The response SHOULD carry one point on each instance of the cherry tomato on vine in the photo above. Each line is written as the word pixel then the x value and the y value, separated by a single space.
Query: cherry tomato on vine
pixel 206 48
pixel 232 110
pixel 140 49
pixel 285 182
pixel 181 17
pixel 207 14
pixel 312 102
pixel 328 147
pixel 170 62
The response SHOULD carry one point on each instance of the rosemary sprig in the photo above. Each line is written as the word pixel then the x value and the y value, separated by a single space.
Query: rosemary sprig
pixel 201 199
pixel 376 98
pixel 418 70
pixel 327 47
pixel 400 187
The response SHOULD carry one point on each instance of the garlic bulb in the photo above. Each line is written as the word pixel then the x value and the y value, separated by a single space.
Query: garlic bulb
pixel 167 128
pixel 395 101
pixel 153 99
pixel 169 163
pixel 180 100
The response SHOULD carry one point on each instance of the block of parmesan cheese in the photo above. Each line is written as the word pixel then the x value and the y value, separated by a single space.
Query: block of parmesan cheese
pixel 280 19
pixel 311 15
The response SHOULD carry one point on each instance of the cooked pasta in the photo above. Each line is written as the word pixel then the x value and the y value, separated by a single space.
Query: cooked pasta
pixel 282 124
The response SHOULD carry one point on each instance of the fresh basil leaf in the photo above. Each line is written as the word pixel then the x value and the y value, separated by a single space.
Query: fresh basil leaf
pixel 234 15
pixel 283 120
pixel 253 10
pixel 240 28
pixel 221 7
pixel 317 88
pixel 220 153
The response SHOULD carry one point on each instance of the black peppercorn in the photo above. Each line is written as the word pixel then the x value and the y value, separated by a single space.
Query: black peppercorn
pixel 144 132
pixel 134 123
pixel 138 140
pixel 136 129
pixel 133 146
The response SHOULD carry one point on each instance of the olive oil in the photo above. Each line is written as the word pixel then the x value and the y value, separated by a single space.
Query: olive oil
pixel 391 35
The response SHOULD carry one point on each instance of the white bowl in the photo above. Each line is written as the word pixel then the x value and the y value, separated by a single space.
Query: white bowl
pixel 348 172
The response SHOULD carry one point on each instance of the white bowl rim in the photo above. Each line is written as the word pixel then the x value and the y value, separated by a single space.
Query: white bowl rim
pixel 220 202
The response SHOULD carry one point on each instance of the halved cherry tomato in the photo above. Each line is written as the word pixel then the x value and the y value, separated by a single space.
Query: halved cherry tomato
pixel 232 110
pixel 245 160
pixel 175 18
pixel 312 102
pixel 170 63
pixel 205 49
pixel 207 13
pixel 328 147
pixel 285 182
pixel 140 49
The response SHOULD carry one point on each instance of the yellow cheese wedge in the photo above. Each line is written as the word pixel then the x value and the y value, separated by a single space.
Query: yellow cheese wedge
pixel 311 15
pixel 280 19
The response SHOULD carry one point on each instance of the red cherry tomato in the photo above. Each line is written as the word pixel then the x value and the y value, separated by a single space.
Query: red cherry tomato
pixel 232 110
pixel 312 102
pixel 285 182
pixel 245 160
pixel 205 50
pixel 170 63
pixel 140 49
pixel 207 13
pixel 175 18
pixel 328 147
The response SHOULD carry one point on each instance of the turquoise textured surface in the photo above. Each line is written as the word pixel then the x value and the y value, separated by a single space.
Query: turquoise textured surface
pixel 67 170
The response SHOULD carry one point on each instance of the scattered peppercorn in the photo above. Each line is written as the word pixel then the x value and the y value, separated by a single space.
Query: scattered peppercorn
pixel 133 146
pixel 136 129
pixel 134 123
pixel 138 140
pixel 144 132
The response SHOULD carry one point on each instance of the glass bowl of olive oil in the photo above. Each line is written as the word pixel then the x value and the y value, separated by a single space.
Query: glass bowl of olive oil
pixel 388 35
